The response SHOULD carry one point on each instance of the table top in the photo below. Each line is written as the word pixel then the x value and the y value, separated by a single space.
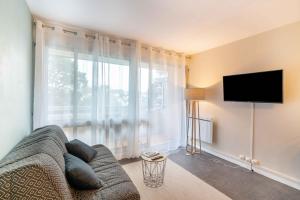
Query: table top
pixel 150 160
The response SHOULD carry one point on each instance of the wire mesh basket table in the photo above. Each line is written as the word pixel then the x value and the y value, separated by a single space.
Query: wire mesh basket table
pixel 153 171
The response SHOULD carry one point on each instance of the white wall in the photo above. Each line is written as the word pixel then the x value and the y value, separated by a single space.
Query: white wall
pixel 277 126
pixel 15 73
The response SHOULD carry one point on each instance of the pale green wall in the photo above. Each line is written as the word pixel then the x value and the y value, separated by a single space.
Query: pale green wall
pixel 16 71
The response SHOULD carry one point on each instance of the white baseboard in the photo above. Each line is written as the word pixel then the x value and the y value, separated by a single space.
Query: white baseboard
pixel 227 157
pixel 277 176
pixel 272 174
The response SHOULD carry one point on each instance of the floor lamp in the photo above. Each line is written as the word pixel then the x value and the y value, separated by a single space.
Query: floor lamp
pixel 193 96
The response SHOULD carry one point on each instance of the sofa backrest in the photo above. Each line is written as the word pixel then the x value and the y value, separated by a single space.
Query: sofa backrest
pixel 53 129
pixel 37 156
pixel 47 141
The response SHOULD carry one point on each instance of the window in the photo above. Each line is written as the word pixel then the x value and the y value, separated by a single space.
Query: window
pixel 71 80
pixel 107 90
pixel 60 85
pixel 84 88
pixel 159 88
pixel 118 84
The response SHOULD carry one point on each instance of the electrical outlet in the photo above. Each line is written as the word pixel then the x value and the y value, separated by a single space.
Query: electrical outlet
pixel 255 162
pixel 248 159
pixel 242 157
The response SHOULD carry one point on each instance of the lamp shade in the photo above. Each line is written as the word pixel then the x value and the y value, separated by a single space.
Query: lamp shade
pixel 194 93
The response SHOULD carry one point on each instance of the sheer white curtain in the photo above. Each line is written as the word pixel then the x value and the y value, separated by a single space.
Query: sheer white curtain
pixel 106 90
pixel 161 98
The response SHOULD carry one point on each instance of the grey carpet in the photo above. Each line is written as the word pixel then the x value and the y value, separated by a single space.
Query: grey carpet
pixel 236 182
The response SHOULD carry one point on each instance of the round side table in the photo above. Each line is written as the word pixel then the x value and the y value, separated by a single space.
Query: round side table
pixel 153 171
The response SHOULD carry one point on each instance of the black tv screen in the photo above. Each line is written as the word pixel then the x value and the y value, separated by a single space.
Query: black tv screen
pixel 265 87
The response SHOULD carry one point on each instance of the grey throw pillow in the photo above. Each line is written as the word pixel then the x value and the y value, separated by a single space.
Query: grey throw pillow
pixel 79 174
pixel 81 150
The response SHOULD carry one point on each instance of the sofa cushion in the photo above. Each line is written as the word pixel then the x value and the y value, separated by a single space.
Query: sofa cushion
pixel 116 183
pixel 81 150
pixel 79 174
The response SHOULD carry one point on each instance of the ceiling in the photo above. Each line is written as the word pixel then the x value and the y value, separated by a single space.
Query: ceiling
pixel 188 26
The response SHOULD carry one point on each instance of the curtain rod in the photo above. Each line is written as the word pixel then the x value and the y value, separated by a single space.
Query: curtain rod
pixel 86 35
pixel 123 43
pixel 47 26
pixel 53 28
pixel 67 31
pixel 90 36
pixel 158 50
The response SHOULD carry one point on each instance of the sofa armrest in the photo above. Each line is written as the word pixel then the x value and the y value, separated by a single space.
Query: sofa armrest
pixel 36 177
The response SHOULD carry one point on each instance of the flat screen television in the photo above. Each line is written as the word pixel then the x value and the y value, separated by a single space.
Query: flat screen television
pixel 264 87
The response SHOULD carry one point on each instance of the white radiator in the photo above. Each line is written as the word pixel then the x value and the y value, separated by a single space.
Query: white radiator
pixel 206 130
